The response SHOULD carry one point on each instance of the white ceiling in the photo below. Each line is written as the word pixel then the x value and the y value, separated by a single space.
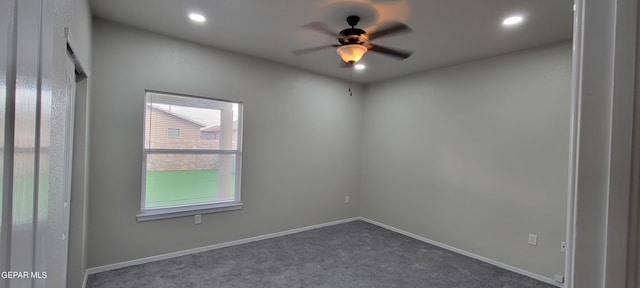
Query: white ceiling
pixel 445 32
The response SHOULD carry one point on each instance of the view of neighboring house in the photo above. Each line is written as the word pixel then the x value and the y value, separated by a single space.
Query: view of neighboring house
pixel 169 130
pixel 213 133
pixel 172 130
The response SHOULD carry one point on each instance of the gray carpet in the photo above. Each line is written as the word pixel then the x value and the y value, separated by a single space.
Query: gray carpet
pixel 354 254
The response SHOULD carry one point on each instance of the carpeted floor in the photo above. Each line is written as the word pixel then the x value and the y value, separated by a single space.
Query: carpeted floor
pixel 354 254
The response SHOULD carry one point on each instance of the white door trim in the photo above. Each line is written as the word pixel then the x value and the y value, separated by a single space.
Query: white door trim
pixel 602 112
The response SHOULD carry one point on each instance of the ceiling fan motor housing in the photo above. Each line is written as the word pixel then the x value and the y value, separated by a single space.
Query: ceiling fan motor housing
pixel 353 36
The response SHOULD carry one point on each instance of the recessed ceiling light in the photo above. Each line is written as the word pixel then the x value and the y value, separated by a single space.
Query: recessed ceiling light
pixel 359 66
pixel 512 20
pixel 195 17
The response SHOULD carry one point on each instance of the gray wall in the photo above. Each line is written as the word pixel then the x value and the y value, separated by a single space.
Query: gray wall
pixel 301 143
pixel 474 156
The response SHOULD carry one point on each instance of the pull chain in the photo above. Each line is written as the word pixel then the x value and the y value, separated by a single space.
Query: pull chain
pixel 350 78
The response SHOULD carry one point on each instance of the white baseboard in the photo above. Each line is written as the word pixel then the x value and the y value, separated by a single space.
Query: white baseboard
pixel 466 253
pixel 210 247
pixel 287 232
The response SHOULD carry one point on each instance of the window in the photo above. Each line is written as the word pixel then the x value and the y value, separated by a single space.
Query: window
pixel 186 172
pixel 210 135
pixel 207 136
pixel 173 132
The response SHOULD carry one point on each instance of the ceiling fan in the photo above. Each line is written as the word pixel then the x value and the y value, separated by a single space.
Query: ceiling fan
pixel 355 42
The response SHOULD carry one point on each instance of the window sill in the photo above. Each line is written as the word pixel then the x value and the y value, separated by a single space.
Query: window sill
pixel 156 214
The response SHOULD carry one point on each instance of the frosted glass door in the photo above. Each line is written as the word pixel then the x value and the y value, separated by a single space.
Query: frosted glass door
pixel 36 135
pixel 26 98
pixel 6 21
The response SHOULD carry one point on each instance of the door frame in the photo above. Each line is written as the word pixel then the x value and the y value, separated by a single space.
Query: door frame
pixel 603 92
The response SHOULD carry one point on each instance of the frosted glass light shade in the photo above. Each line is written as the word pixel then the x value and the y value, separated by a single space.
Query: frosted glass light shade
pixel 351 53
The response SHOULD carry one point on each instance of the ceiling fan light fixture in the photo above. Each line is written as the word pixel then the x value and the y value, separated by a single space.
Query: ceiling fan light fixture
pixel 351 53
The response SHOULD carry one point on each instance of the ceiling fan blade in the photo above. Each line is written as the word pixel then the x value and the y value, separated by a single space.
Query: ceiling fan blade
pixel 394 28
pixel 313 49
pixel 389 51
pixel 322 28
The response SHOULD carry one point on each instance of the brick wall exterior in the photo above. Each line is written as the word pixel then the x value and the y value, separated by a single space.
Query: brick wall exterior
pixel 161 162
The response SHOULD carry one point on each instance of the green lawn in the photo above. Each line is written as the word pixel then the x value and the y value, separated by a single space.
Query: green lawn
pixel 22 206
pixel 182 187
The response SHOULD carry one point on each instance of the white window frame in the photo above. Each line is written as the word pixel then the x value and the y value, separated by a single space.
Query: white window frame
pixel 147 214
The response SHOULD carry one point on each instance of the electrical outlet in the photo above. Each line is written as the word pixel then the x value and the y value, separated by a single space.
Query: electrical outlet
pixel 533 239
pixel 346 199
pixel 563 246
pixel 198 219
